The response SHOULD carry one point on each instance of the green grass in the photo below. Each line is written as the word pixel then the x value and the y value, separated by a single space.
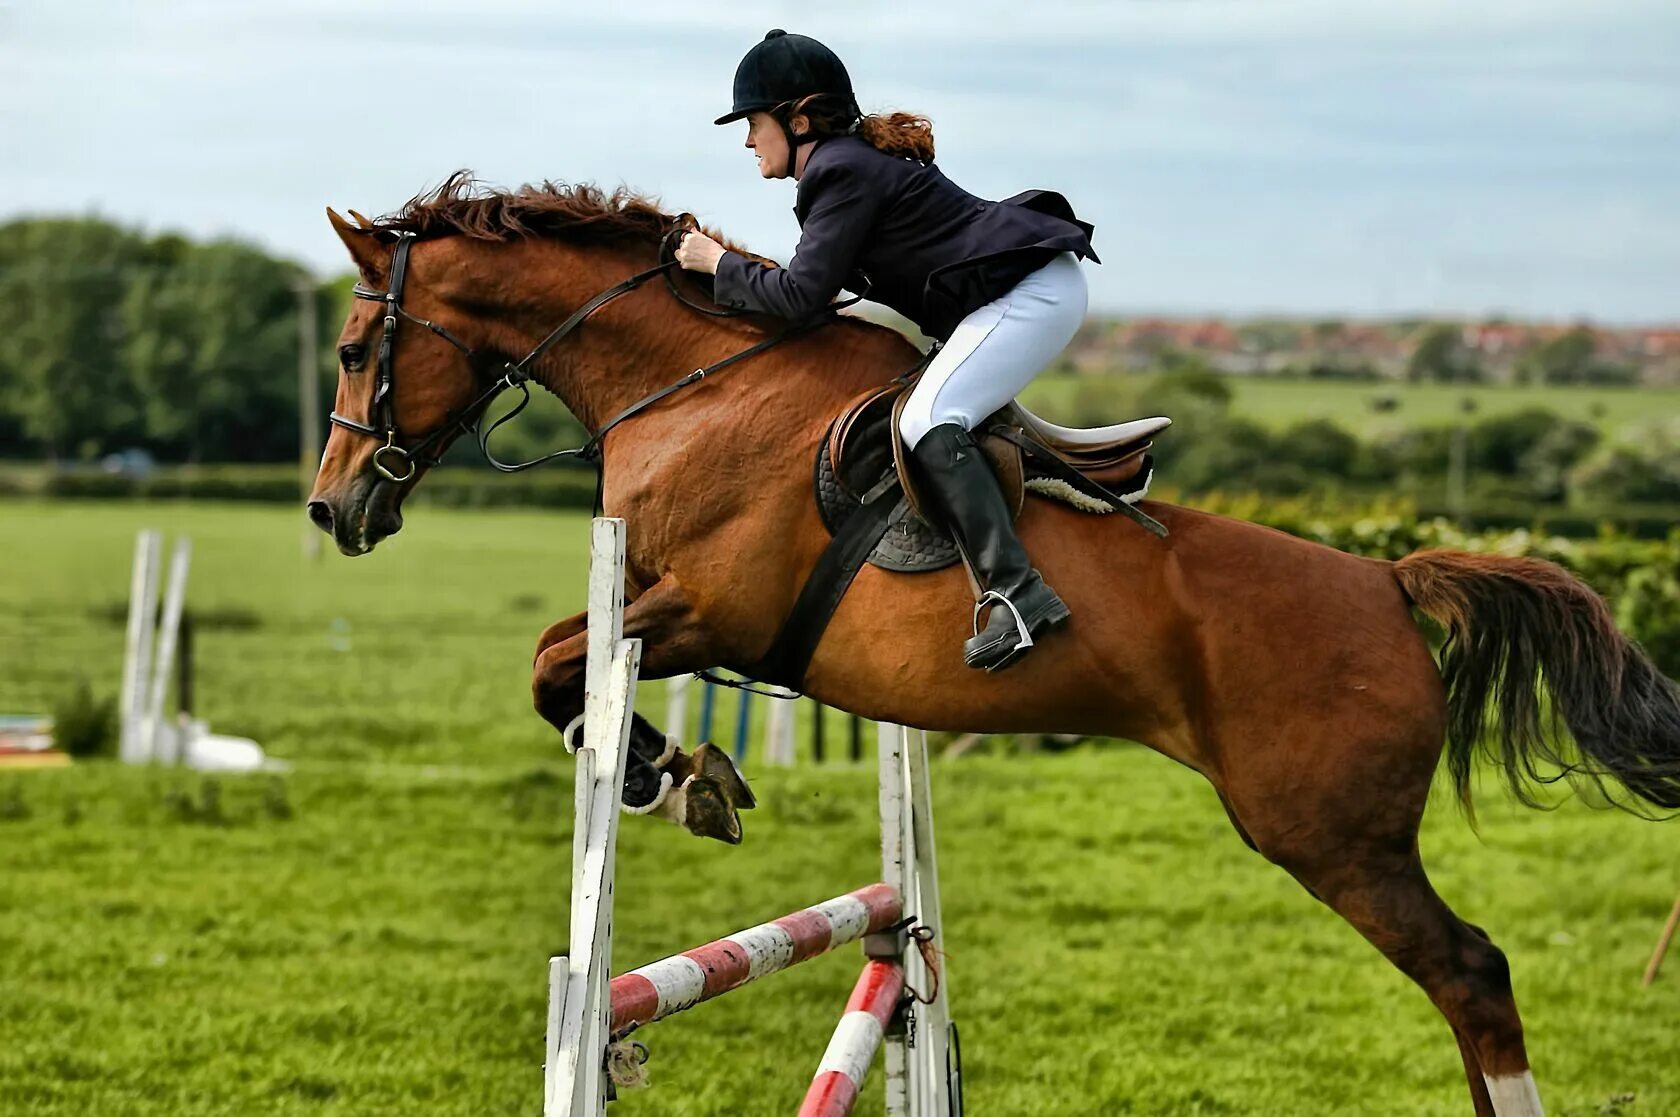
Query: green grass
pixel 1622 413
pixel 369 934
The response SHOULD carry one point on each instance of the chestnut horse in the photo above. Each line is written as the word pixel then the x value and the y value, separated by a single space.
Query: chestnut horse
pixel 1290 675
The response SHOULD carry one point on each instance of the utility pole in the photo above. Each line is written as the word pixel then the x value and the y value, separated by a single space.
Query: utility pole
pixel 1458 462
pixel 309 405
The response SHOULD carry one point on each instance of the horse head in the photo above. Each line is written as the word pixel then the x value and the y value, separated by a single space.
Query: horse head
pixel 461 291
pixel 389 427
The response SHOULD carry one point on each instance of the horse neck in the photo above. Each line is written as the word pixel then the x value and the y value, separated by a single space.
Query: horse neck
pixel 645 340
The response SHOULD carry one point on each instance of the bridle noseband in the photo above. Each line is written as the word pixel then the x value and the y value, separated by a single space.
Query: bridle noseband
pixel 517 374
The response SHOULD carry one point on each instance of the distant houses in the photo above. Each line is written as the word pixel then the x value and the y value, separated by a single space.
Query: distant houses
pixel 1494 351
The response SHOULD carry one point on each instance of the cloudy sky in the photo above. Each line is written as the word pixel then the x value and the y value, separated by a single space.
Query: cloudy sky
pixel 1307 156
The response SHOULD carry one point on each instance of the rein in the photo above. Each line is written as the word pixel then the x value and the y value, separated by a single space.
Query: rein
pixel 517 374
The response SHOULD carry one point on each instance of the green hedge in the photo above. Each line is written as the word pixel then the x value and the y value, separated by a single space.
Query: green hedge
pixel 555 487
pixel 1639 577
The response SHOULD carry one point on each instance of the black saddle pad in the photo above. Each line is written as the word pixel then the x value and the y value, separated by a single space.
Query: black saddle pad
pixel 911 545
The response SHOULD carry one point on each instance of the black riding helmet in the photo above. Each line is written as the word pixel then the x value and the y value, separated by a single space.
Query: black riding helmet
pixel 782 69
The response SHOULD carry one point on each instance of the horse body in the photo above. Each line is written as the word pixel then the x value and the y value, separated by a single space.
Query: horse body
pixel 1291 675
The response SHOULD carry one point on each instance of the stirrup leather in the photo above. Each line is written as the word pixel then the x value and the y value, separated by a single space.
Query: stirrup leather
pixel 1020 625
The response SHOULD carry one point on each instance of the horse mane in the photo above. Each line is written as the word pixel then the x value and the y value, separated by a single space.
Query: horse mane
pixel 580 213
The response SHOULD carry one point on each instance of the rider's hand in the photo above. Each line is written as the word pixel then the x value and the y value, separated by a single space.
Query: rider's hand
pixel 699 252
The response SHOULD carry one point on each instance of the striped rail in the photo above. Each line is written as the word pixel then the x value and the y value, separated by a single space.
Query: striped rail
pixel 683 980
pixel 840 1075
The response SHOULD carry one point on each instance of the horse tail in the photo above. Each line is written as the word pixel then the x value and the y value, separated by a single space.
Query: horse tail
pixel 1513 622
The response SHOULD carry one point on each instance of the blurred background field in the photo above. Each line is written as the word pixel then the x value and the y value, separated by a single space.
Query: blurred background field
pixel 367 933
pixel 1371 408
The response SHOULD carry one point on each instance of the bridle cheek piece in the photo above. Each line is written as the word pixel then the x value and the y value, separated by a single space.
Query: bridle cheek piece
pixel 398 464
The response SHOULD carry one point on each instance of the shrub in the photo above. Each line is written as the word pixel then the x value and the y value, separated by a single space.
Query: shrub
pixel 1319 446
pixel 1546 465
pixel 84 725
pixel 1648 609
pixel 1623 474
pixel 1418 451
pixel 1499 445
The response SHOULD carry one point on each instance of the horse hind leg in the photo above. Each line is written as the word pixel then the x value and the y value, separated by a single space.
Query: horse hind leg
pixel 1466 976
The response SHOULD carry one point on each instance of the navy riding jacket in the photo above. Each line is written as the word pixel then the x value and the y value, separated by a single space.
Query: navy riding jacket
pixel 901 233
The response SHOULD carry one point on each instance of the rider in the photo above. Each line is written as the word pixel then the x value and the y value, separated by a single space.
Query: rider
pixel 998 283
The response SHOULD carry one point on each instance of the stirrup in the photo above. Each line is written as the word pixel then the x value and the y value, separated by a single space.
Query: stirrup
pixel 1026 640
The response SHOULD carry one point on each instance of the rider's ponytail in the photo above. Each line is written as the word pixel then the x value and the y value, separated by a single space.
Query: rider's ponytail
pixel 896 133
pixel 899 133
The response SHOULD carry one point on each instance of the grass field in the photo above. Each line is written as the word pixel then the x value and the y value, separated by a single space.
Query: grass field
pixel 1622 413
pixel 369 934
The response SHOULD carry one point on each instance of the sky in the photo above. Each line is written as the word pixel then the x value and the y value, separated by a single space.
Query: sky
pixel 1307 157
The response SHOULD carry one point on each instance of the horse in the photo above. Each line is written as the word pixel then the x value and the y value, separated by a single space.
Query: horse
pixel 1293 677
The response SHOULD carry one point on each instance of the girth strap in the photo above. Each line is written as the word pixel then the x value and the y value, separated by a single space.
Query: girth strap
pixel 796 643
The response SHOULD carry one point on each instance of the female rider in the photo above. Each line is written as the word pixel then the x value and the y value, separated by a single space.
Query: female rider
pixel 997 283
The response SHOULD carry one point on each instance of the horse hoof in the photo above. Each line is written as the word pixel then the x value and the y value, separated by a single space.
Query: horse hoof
pixel 714 764
pixel 710 813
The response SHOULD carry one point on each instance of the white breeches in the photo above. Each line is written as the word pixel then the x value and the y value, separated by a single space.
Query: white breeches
pixel 997 349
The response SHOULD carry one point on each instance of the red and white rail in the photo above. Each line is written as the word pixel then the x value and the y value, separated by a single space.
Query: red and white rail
pixel 868 1013
pixel 681 981
pixel 588 1011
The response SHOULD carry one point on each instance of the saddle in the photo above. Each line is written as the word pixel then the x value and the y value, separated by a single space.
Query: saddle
pixel 867 497
pixel 1098 470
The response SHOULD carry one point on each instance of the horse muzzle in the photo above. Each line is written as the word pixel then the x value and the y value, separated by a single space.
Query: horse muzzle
pixel 359 520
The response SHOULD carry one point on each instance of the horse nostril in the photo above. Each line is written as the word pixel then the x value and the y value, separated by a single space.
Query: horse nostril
pixel 320 514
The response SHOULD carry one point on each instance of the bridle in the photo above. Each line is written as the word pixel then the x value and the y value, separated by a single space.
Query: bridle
pixel 399 463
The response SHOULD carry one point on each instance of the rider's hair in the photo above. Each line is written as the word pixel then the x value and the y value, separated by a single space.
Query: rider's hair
pixel 895 133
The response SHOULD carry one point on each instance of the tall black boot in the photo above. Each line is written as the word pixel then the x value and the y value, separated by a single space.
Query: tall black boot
pixel 965 492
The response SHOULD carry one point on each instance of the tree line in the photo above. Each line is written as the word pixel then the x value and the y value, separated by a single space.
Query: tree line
pixel 119 340
pixel 116 340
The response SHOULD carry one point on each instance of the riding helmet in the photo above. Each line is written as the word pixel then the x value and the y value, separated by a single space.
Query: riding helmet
pixel 784 68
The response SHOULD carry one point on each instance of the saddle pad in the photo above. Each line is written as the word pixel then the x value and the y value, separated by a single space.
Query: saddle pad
pixel 910 545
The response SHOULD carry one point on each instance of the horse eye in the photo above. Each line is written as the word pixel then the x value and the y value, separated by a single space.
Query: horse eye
pixel 352 356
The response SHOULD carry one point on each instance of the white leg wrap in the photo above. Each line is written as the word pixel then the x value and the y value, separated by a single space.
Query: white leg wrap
pixel 1514 1095
pixel 658 800
pixel 672 804
pixel 664 758
pixel 569 735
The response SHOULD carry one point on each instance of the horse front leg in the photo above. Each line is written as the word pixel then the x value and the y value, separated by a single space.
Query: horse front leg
pixel 700 791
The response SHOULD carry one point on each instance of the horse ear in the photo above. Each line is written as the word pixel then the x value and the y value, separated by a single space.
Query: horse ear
pixel 363 245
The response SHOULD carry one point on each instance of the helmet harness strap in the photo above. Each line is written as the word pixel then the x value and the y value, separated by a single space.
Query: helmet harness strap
pixel 784 114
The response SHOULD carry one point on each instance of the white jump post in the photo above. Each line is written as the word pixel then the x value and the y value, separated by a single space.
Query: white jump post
pixel 152 732
pixel 919 1078
pixel 137 648
pixel 150 649
pixel 676 706
pixel 588 1011
pixel 778 735
pixel 579 1005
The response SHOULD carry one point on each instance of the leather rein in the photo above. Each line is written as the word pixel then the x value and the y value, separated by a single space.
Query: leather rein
pixel 405 460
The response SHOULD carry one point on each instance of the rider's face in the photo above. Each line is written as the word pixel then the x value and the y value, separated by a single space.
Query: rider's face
pixel 766 140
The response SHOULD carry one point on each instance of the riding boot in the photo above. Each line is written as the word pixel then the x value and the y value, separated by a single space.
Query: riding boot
pixel 965 492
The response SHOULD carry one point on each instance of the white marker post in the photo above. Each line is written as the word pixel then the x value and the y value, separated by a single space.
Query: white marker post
pixel 137 647
pixel 174 599
pixel 778 736
pixel 580 1007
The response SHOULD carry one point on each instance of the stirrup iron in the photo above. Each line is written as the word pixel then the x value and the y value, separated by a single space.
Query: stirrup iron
pixel 1020 625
